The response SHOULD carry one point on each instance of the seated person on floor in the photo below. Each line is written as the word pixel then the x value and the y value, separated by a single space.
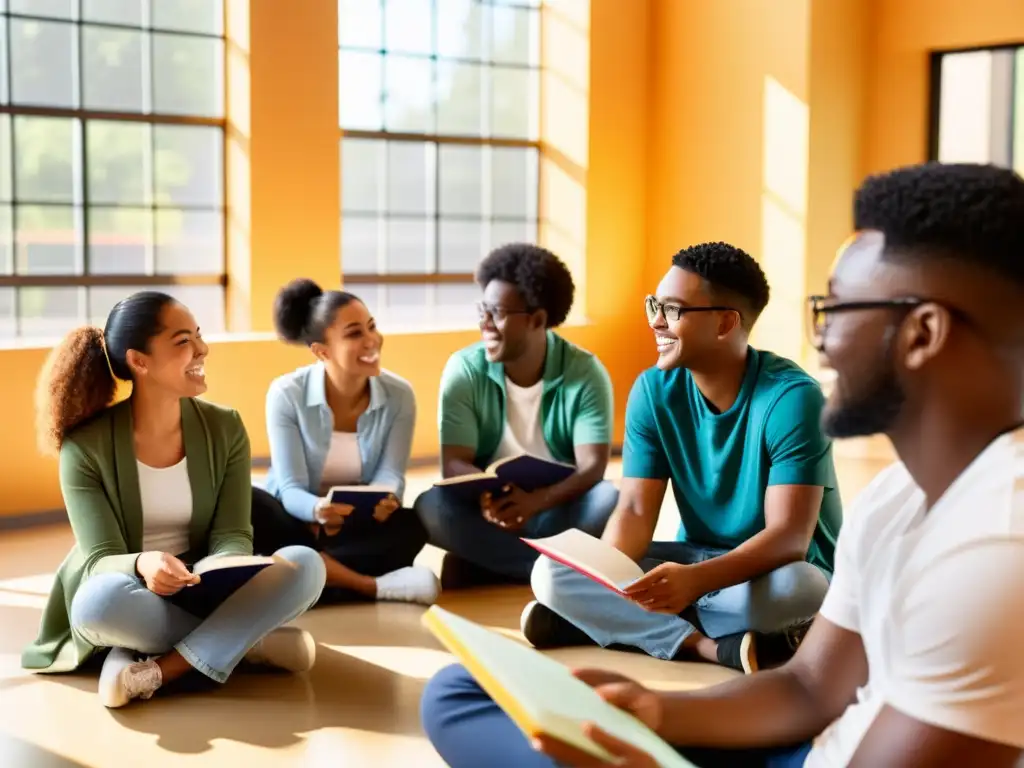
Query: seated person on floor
pixel 523 389
pixel 341 421
pixel 914 658
pixel 737 432
pixel 157 482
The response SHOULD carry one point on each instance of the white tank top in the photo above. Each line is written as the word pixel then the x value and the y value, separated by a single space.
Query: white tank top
pixel 344 464
pixel 166 507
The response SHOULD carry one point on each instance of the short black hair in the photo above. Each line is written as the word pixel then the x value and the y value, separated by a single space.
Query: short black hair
pixel 541 278
pixel 966 211
pixel 730 270
pixel 303 311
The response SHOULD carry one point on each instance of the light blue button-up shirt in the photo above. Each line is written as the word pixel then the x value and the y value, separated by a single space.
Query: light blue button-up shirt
pixel 300 423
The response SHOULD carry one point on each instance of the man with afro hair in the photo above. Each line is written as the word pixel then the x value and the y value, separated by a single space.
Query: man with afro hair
pixel 914 658
pixel 523 389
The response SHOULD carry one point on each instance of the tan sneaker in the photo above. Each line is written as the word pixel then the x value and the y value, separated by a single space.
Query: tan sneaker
pixel 288 648
pixel 123 678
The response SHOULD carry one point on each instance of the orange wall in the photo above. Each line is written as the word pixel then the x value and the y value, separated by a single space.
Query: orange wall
pixel 903 34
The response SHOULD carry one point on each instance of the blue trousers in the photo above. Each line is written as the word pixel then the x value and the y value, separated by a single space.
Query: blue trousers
pixel 469 730
pixel 765 604
pixel 461 529
pixel 115 610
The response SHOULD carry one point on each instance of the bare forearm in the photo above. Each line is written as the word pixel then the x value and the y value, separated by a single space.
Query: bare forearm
pixel 772 708
pixel 760 554
pixel 571 488
pixel 630 532
pixel 457 468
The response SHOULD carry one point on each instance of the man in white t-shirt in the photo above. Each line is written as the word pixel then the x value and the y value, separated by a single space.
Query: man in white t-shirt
pixel 522 389
pixel 915 657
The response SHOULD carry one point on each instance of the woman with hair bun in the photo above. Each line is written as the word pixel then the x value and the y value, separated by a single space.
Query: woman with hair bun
pixel 341 421
pixel 153 484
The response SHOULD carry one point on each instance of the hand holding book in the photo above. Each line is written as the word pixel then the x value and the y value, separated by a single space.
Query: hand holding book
pixel 512 508
pixel 164 574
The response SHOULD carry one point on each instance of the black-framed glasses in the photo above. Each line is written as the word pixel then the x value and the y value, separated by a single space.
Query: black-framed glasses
pixel 498 314
pixel 673 312
pixel 820 308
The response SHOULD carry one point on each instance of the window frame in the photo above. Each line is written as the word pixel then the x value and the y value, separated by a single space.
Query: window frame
pixel 441 139
pixel 84 117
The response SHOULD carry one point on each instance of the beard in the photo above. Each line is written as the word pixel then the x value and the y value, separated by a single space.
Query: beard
pixel 871 411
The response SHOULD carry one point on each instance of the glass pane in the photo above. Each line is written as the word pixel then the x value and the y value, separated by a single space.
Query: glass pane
pixel 363 167
pixel 120 240
pixel 112 74
pixel 408 103
pixel 460 100
pixel 50 312
pixel 188 75
pixel 113 11
pixel 359 24
pixel 461 177
pixel 411 169
pixel 3 57
pixel 405 305
pixel 46 154
pixel 361 245
pixel 119 162
pixel 359 90
pixel 57 9
pixel 48 240
pixel 6 244
pixel 463 29
pixel 8 327
pixel 462 245
pixel 514 182
pixel 408 26
pixel 410 245
pixel 203 16
pixel 1018 112
pixel 189 242
pixel 206 302
pixel 43 58
pixel 514 103
pixel 505 232
pixel 6 158
pixel 188 166
pixel 455 304
pixel 516 36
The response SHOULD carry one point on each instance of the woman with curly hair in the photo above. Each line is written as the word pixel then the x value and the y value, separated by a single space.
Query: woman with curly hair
pixel 342 420
pixel 152 484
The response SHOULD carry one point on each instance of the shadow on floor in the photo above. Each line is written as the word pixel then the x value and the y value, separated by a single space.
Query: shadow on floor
pixel 15 752
pixel 273 711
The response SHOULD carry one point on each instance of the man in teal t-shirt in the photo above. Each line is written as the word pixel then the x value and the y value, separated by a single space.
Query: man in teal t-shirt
pixel 737 433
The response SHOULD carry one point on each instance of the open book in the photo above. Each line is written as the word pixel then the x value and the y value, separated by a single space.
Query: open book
pixel 219 578
pixel 541 695
pixel 364 498
pixel 592 557
pixel 524 471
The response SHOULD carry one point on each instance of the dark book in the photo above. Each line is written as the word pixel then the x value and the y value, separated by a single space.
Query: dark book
pixel 529 473
pixel 219 578
pixel 363 498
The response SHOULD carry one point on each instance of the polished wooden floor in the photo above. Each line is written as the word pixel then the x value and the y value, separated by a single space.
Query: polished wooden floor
pixel 358 707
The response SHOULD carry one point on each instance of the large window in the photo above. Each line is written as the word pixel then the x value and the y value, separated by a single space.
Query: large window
pixel 439 103
pixel 978 106
pixel 111 158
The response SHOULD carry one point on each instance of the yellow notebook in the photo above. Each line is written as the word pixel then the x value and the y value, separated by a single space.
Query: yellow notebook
pixel 541 695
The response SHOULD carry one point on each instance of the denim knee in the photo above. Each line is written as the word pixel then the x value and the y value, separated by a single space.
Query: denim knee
pixel 790 593
pixel 433 512
pixel 447 685
pixel 98 602
pixel 549 580
pixel 310 572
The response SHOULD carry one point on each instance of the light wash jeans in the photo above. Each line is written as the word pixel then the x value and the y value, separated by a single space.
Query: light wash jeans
pixel 460 528
pixel 766 604
pixel 115 610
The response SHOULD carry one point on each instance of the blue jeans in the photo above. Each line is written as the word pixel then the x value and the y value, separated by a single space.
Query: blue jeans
pixel 469 730
pixel 768 603
pixel 116 610
pixel 461 529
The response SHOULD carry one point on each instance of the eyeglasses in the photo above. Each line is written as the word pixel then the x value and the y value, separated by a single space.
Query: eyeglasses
pixel 498 314
pixel 819 310
pixel 673 312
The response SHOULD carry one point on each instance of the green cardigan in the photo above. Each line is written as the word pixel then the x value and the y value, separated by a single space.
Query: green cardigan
pixel 100 483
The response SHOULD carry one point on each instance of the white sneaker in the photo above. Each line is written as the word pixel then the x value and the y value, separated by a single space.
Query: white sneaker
pixel 288 648
pixel 123 678
pixel 414 584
